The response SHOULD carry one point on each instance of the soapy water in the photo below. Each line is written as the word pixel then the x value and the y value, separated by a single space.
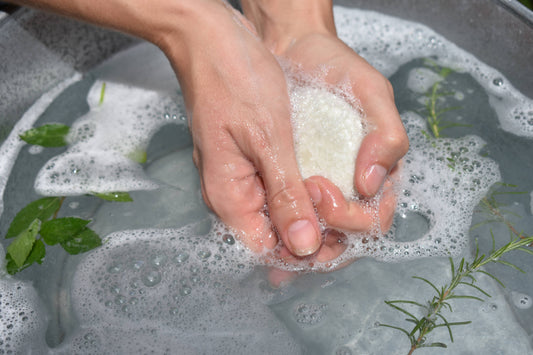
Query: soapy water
pixel 165 289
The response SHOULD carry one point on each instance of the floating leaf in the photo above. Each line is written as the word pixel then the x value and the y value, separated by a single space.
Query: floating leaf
pixel 138 156
pixel 21 247
pixel 41 209
pixel 49 135
pixel 114 196
pixel 37 254
pixel 84 241
pixel 62 229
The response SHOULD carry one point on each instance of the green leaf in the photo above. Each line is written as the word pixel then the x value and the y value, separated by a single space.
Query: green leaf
pixel 436 345
pixel 41 209
pixel 102 94
pixel 84 241
pixel 114 196
pixel 61 229
pixel 428 282
pixel 21 247
pixel 49 135
pixel 138 156
pixel 37 254
pixel 393 327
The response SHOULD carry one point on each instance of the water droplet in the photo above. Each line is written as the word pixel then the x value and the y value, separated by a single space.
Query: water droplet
pixel 120 299
pixel 115 268
pixel 182 257
pixel 151 277
pixel 159 260
pixel 137 264
pixel 521 300
pixel 185 290
pixel 204 254
pixel 228 239
pixel 498 82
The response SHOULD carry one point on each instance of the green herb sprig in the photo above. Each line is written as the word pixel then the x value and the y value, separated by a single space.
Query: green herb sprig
pixel 432 110
pixel 463 276
pixel 37 225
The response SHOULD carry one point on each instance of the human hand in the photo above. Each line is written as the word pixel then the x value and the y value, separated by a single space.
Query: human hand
pixel 239 116
pixel 304 34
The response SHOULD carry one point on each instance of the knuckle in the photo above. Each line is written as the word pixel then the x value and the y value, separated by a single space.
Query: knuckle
pixel 283 198
pixel 397 142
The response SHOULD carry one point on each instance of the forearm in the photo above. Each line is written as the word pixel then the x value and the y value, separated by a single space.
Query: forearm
pixel 155 21
pixel 279 22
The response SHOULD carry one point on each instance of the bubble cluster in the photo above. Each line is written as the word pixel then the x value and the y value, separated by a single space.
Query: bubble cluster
pixel 20 318
pixel 521 300
pixel 171 281
pixel 309 314
pixel 107 143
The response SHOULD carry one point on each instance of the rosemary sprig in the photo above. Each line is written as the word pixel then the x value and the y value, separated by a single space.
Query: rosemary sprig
pixel 432 110
pixel 463 275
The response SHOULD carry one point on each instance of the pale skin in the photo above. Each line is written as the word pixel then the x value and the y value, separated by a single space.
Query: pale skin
pixel 239 110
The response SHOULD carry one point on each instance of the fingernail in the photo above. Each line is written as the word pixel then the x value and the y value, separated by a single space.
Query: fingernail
pixel 314 191
pixel 374 177
pixel 303 238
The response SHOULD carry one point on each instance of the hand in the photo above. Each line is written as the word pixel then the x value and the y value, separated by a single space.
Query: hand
pixel 382 147
pixel 304 33
pixel 239 115
pixel 238 107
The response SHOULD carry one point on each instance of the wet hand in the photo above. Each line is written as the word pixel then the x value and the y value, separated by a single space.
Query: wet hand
pixel 239 116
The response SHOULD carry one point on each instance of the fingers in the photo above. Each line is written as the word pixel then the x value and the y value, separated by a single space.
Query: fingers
pixel 335 243
pixel 354 216
pixel 385 143
pixel 289 204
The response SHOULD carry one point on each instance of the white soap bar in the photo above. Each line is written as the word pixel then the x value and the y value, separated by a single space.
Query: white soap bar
pixel 327 135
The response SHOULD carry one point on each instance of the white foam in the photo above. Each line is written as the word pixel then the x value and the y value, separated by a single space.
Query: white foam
pixel 22 322
pixel 12 145
pixel 117 291
pixel 328 132
pixel 102 142
pixel 442 182
pixel 420 80
pixel 387 43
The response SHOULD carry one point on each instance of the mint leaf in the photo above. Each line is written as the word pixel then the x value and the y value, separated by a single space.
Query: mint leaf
pixel 21 247
pixel 84 241
pixel 49 135
pixel 61 229
pixel 36 256
pixel 114 196
pixel 41 209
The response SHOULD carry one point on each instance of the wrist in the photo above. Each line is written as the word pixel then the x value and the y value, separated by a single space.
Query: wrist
pixel 281 22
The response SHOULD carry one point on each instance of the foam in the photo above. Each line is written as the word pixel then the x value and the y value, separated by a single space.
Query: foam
pixel 442 181
pixel 103 142
pixel 13 144
pixel 21 318
pixel 387 43
pixel 117 291
pixel 328 132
